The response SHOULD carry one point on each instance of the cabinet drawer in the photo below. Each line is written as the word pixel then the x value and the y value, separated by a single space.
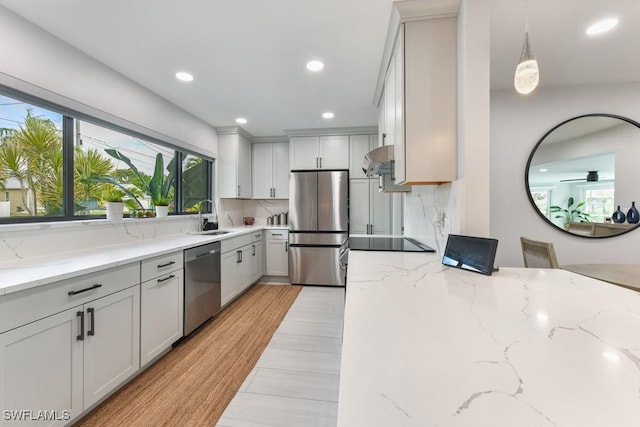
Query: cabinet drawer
pixel 277 234
pixel 236 242
pixel 160 265
pixel 27 306
pixel 256 236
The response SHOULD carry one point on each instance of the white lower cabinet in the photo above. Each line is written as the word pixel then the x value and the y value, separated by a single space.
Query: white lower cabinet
pixel 112 342
pixel 237 264
pixel 257 259
pixel 277 250
pixel 161 314
pixel 70 360
pixel 41 367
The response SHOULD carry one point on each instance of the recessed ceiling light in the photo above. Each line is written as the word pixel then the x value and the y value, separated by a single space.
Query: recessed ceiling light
pixel 184 76
pixel 543 170
pixel 315 65
pixel 601 26
pixel 241 120
pixel 328 115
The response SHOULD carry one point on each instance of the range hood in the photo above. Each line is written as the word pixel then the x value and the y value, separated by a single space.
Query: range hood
pixel 378 161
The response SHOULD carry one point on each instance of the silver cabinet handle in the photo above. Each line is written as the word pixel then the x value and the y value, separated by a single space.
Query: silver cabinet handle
pixel 276 234
pixel 167 278
pixel 320 162
pixel 92 318
pixel 166 265
pixel 90 288
pixel 286 246
pixel 317 163
pixel 238 191
pixel 239 257
pixel 80 336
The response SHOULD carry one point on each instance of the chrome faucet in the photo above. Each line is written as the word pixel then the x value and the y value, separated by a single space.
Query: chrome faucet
pixel 203 223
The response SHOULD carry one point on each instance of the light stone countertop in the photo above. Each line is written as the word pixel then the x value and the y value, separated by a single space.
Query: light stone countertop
pixel 428 345
pixel 24 274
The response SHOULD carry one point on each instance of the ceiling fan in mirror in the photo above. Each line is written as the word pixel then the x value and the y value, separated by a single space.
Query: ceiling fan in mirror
pixel 592 176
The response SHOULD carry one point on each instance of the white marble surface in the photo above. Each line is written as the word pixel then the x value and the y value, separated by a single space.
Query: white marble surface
pixel 19 274
pixel 427 345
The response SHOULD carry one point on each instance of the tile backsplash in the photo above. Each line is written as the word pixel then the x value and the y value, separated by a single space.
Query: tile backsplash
pixel 24 241
pixel 232 211
pixel 431 213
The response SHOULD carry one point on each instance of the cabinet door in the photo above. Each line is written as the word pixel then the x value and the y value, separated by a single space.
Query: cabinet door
pixel 380 209
pixel 359 145
pixel 112 342
pixel 229 276
pixel 257 261
pixel 359 205
pixel 381 122
pixel 390 103
pixel 41 366
pixel 398 107
pixel 226 164
pixel 334 152
pixel 244 168
pixel 161 314
pixel 262 173
pixel 277 257
pixel 245 268
pixel 281 170
pixel 304 152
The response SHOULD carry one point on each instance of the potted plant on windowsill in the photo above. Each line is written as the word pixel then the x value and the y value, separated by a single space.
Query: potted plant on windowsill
pixel 113 197
pixel 571 214
pixel 162 206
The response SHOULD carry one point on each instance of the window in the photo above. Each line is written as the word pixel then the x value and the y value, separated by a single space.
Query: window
pixel 599 203
pixel 541 199
pixel 55 166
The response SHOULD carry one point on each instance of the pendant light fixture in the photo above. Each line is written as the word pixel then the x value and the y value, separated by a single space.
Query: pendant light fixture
pixel 527 73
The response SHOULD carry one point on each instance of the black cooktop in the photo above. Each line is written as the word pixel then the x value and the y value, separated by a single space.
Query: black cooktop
pixel 394 244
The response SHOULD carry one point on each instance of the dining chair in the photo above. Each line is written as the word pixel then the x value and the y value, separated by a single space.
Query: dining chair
pixel 538 254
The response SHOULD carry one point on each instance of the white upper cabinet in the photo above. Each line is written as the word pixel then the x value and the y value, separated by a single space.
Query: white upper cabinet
pixel 319 152
pixel 420 102
pixel 359 145
pixel 270 171
pixel 234 166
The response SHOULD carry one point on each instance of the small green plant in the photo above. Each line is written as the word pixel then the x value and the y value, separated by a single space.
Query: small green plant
pixel 570 214
pixel 161 201
pixel 113 194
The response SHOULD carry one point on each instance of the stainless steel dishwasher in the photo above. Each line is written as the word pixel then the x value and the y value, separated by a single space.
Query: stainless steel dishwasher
pixel 202 296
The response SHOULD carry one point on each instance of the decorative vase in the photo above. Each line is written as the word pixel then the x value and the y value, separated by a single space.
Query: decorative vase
pixel 162 211
pixel 633 216
pixel 618 216
pixel 114 211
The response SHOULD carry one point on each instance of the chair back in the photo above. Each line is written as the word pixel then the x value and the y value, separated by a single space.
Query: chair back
pixel 538 254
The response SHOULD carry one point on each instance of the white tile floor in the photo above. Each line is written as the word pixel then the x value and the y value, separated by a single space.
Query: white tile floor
pixel 295 382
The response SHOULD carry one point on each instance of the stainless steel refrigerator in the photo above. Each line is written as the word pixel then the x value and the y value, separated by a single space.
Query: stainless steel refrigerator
pixel 318 227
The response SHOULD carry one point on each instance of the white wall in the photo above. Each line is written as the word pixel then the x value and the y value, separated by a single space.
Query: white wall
pixel 517 123
pixel 35 62
pixel 473 116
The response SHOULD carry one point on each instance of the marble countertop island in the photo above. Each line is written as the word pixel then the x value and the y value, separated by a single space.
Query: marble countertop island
pixel 428 345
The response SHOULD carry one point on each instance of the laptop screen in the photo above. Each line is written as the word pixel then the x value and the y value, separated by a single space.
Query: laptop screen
pixel 471 253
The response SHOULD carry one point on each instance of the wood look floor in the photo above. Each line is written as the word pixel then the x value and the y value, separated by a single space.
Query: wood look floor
pixel 194 383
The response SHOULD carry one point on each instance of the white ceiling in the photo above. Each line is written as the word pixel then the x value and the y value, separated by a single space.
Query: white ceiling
pixel 248 56
pixel 565 54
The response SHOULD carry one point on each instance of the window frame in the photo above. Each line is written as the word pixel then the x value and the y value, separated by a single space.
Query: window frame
pixel 69 118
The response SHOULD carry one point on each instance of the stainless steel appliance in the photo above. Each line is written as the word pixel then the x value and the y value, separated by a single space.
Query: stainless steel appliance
pixel 202 294
pixel 318 226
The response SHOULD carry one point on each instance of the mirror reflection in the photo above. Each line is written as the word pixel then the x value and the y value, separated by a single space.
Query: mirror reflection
pixel 582 170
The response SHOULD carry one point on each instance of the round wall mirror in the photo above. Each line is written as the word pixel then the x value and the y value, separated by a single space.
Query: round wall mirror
pixel 582 170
